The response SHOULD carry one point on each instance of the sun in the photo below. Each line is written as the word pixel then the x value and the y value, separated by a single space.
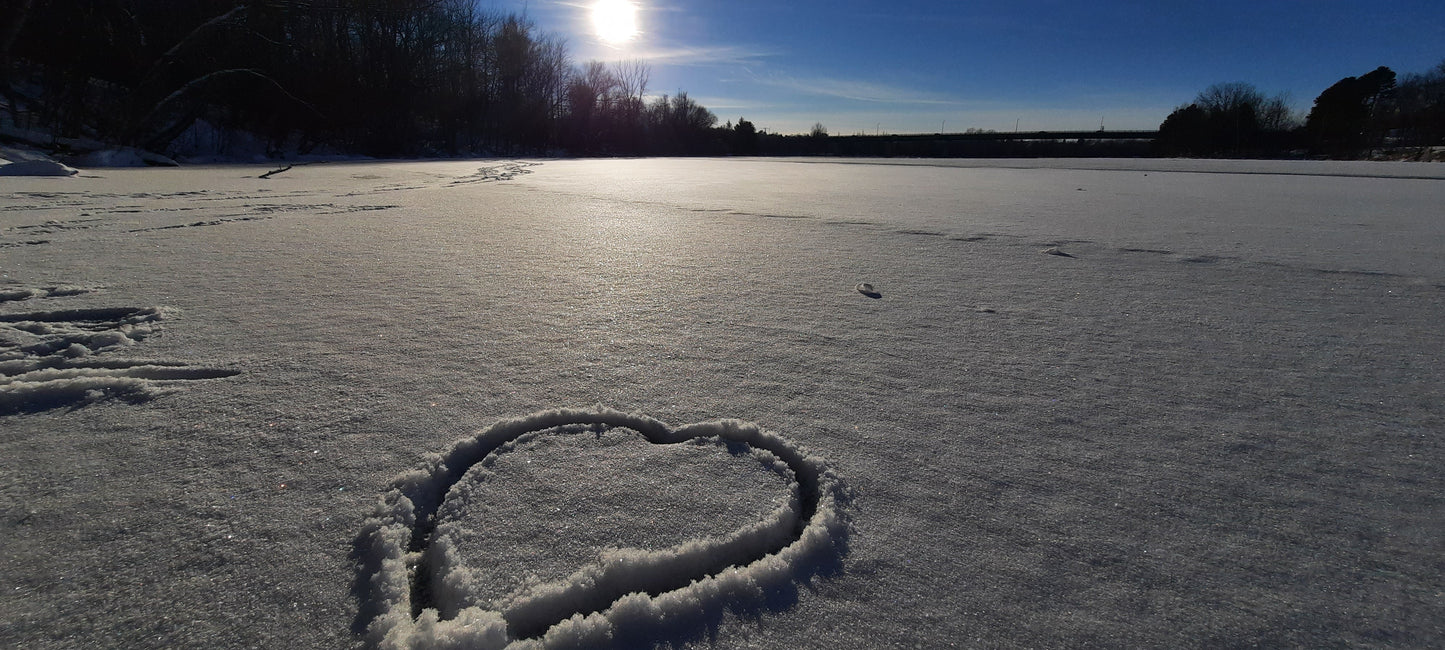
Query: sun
pixel 614 21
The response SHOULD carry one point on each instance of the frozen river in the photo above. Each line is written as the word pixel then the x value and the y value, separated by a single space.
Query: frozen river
pixel 1098 402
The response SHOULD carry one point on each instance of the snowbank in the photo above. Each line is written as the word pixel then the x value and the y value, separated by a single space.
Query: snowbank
pixel 415 592
pixel 37 168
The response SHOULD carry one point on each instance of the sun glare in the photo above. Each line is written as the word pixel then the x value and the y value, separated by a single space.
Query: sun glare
pixel 615 21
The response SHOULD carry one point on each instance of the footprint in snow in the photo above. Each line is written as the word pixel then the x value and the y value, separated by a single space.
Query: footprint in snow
pixel 62 357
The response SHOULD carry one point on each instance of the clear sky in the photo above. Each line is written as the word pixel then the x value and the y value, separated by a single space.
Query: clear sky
pixel 916 66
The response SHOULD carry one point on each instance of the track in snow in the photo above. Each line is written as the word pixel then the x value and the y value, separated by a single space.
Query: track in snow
pixel 409 577
pixel 55 359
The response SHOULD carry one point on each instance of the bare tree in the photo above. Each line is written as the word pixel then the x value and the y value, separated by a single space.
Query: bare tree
pixel 550 74
pixel 632 77
pixel 599 79
pixel 1228 98
pixel 1276 115
pixel 1421 99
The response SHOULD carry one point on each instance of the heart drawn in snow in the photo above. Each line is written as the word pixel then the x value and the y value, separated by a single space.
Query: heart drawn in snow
pixel 415 592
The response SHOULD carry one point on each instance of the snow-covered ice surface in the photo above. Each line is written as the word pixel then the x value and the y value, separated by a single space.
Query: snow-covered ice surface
pixel 1211 417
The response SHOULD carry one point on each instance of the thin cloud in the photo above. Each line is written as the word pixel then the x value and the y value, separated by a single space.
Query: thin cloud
pixel 702 56
pixel 716 103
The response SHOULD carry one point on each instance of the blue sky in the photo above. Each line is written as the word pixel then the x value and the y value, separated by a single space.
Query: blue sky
pixel 912 66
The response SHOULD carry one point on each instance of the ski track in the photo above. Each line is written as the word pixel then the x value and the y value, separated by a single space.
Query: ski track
pixel 503 172
pixel 412 588
pixel 96 218
pixel 1051 247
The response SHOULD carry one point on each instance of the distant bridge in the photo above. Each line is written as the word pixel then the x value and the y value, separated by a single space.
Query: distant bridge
pixel 1023 144
pixel 1009 136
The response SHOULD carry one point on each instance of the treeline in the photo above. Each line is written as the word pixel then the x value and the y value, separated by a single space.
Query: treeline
pixel 381 77
pixel 1355 116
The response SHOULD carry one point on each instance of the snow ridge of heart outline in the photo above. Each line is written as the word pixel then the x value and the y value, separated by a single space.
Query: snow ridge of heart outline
pixel 413 594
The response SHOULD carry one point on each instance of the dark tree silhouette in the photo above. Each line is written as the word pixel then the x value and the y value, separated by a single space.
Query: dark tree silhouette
pixel 1420 100
pixel 1226 119
pixel 1233 115
pixel 1185 132
pixel 745 138
pixel 385 77
pixel 818 139
pixel 1275 115
pixel 1347 114
pixel 13 19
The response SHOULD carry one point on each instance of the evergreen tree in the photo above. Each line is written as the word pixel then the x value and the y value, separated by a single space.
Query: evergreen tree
pixel 1347 113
